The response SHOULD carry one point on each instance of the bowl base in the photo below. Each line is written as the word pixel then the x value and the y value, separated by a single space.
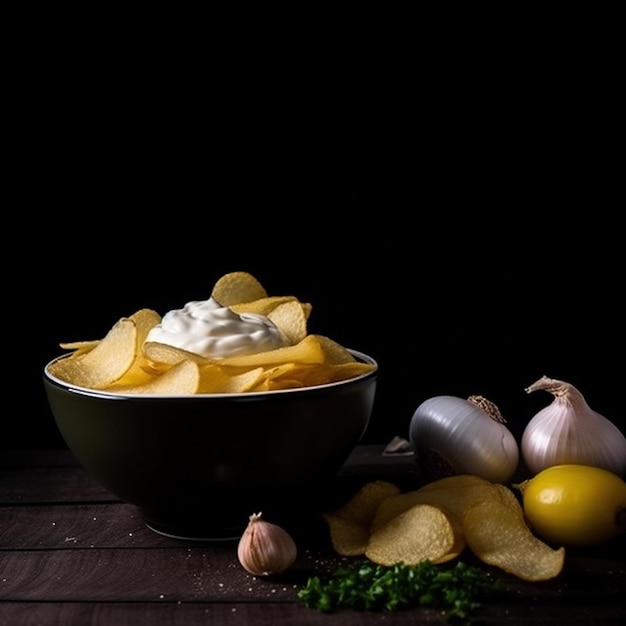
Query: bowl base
pixel 225 521
pixel 224 533
pixel 220 522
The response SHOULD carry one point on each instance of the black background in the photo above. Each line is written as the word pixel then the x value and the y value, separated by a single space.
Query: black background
pixel 455 213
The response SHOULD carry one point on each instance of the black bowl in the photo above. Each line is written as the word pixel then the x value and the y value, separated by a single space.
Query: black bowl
pixel 198 466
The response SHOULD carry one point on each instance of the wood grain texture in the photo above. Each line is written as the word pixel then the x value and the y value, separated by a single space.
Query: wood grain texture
pixel 74 527
pixel 149 575
pixel 50 485
pixel 69 554
pixel 166 613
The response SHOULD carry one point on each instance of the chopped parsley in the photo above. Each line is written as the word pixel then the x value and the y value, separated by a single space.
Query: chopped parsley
pixel 364 586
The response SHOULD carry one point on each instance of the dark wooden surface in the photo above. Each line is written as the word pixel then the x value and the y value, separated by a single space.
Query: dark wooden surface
pixel 71 553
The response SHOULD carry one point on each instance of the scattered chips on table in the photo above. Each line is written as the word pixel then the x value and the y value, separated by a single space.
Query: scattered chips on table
pixel 455 493
pixel 125 362
pixel 499 537
pixel 422 532
pixel 509 499
pixel 350 524
pixel 362 506
pixel 458 480
pixel 349 538
pixel 440 520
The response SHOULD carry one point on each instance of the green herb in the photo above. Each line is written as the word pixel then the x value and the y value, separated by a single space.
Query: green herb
pixel 364 586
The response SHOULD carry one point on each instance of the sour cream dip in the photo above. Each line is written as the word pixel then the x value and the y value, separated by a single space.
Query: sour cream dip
pixel 206 328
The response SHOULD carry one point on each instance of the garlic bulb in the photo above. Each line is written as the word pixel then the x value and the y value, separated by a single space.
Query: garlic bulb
pixel 264 548
pixel 451 436
pixel 568 431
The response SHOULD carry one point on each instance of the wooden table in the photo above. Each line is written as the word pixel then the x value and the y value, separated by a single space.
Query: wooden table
pixel 71 553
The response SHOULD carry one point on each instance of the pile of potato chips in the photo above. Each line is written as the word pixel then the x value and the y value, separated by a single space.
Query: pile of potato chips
pixel 124 362
pixel 437 522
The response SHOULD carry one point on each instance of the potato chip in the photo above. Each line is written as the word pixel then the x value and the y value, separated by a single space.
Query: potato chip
pixel 349 524
pixel 276 384
pixel 181 379
pixel 455 499
pixel 362 506
pixel 214 379
pixel 105 363
pixel 307 307
pixel 460 543
pixel 306 351
pixel 236 288
pixel 290 319
pixel 141 371
pixel 161 355
pixel 145 319
pixel 423 532
pixel 347 536
pixel 335 353
pixel 508 497
pixel 80 347
pixel 498 536
pixel 282 376
pixel 323 374
pixel 285 370
pixel 458 480
pixel 262 306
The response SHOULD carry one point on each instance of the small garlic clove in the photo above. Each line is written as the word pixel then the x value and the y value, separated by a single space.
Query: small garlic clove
pixel 264 548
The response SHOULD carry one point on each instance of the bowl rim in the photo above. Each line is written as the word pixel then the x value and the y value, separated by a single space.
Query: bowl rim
pixel 110 395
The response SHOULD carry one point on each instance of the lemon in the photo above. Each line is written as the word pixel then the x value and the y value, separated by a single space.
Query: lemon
pixel 575 505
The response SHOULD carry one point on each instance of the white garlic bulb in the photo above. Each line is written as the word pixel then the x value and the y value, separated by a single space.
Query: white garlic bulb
pixel 452 435
pixel 568 431
pixel 265 548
